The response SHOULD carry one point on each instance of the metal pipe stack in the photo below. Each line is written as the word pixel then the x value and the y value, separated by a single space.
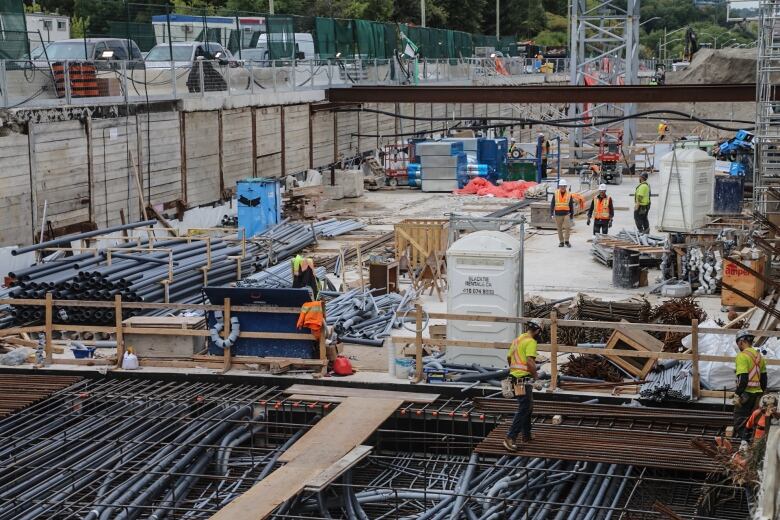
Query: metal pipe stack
pixel 332 228
pixel 673 381
pixel 360 317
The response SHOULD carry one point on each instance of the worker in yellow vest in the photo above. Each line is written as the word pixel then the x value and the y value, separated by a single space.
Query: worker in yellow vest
pixel 750 368
pixel 562 211
pixel 662 129
pixel 303 274
pixel 522 369
pixel 601 211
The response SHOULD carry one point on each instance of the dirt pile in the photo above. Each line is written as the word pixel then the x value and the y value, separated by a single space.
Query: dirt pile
pixel 718 66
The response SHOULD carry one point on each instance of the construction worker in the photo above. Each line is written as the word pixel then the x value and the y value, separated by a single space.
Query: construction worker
pixel 761 419
pixel 642 205
pixel 522 369
pixel 601 211
pixel 750 368
pixel 662 129
pixel 303 274
pixel 561 207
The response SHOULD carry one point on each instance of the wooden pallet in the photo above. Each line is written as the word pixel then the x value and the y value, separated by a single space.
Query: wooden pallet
pixel 624 244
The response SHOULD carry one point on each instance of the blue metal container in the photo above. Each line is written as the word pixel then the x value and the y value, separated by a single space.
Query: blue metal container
pixel 728 194
pixel 264 322
pixel 493 152
pixel 259 205
pixel 413 173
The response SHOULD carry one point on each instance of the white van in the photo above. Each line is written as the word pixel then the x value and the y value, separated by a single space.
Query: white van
pixel 304 47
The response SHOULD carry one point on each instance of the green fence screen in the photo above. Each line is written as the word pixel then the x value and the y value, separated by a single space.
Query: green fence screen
pixel 14 44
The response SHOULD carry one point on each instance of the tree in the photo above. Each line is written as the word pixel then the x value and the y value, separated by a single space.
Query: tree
pixel 465 15
pixel 408 11
pixel 78 27
pixel 524 18
pixel 64 7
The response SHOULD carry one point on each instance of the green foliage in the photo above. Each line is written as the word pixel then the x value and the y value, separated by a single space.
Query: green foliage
pixel 78 27
pixel 33 7
pixel 465 15
pixel 551 38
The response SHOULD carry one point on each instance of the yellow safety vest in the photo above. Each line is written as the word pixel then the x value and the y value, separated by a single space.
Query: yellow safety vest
pixel 754 375
pixel 562 200
pixel 601 211
pixel 518 364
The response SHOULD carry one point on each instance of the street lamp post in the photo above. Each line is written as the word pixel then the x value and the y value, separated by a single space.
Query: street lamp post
pixel 422 12
pixel 666 38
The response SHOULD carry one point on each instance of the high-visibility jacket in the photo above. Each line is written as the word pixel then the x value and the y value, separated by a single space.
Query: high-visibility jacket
pixel 662 128
pixel 297 262
pixel 522 347
pixel 754 369
pixel 311 317
pixel 758 423
pixel 562 200
pixel 601 209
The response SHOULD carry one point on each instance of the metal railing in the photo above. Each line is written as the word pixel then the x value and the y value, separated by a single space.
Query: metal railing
pixel 40 83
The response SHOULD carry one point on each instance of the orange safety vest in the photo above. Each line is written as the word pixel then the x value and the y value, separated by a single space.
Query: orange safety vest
pixel 562 200
pixel 757 423
pixel 601 210
pixel 518 361
pixel 754 375
pixel 311 317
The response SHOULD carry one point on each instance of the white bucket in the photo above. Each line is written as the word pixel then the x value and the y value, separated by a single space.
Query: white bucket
pixel 403 367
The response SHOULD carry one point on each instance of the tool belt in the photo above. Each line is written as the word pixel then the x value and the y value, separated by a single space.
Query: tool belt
pixel 520 384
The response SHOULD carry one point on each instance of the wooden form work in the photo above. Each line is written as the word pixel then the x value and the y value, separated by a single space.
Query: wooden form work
pixel 556 348
pixel 315 457
pixel 120 329
pixel 423 238
pixel 637 340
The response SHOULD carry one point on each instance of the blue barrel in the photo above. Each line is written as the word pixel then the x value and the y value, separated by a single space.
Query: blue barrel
pixel 413 175
pixel 728 195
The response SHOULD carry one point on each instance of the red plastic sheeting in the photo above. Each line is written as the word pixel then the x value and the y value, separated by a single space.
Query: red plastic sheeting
pixel 507 190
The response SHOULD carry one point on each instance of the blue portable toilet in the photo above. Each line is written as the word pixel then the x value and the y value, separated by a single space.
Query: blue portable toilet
pixel 259 204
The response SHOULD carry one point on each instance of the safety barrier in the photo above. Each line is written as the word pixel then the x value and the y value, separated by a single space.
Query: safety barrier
pixel 40 83
pixel 555 348
pixel 119 329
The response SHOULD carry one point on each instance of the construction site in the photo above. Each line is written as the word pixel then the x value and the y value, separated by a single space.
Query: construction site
pixel 337 282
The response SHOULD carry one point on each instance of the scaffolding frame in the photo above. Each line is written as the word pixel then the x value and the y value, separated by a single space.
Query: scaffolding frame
pixel 604 43
pixel 766 173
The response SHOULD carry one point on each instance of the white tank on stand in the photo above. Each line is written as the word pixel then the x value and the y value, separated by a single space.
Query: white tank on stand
pixel 684 198
pixel 482 278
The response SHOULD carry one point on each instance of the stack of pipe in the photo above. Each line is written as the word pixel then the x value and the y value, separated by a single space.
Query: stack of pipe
pixel 332 228
pixel 603 247
pixel 360 317
pixel 279 275
pixel 672 381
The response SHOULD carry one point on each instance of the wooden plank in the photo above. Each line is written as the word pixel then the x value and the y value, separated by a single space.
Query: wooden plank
pixel 342 391
pixel 348 426
pixel 346 462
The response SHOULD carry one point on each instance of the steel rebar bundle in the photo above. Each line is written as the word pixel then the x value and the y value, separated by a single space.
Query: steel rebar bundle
pixel 673 382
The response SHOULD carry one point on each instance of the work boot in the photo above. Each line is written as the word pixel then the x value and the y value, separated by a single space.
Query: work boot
pixel 568 244
pixel 509 444
pixel 560 245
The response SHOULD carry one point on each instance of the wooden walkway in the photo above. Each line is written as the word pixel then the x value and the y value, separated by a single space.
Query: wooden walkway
pixel 318 455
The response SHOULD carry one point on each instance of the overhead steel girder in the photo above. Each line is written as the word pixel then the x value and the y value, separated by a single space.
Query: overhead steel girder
pixel 547 94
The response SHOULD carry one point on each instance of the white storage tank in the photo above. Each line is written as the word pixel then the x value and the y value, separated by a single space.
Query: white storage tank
pixel 482 275
pixel 692 173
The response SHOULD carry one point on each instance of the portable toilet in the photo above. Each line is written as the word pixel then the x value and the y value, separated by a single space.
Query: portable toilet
pixel 259 204
pixel 687 179
pixel 483 278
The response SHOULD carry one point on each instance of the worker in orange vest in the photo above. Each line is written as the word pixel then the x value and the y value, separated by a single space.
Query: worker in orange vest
pixel 562 211
pixel 760 419
pixel 601 211
pixel 311 316
pixel 750 368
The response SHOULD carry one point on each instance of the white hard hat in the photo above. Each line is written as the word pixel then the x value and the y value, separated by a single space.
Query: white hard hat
pixel 744 334
pixel 534 324
pixel 602 187
pixel 562 182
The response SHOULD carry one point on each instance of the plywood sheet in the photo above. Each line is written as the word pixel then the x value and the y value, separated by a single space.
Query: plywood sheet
pixel 15 196
pixel 342 391
pixel 296 138
pixel 341 431
pixel 202 146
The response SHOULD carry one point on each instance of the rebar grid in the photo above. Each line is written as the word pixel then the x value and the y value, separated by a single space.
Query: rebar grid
pixel 125 448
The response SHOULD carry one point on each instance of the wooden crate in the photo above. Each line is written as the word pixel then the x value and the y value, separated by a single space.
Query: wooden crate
pixel 738 278
pixel 422 237
pixel 625 339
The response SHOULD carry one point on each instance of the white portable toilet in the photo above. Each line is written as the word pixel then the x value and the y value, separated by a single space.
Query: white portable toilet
pixel 482 278
pixel 685 195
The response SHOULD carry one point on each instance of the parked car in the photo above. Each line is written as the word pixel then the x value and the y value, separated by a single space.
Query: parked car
pixel 100 50
pixel 214 58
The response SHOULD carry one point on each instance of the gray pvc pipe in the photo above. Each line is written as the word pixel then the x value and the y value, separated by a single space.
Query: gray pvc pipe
pixel 70 238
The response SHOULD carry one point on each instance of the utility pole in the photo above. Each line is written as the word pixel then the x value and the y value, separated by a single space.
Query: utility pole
pixel 422 13
pixel 498 17
pixel 271 6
